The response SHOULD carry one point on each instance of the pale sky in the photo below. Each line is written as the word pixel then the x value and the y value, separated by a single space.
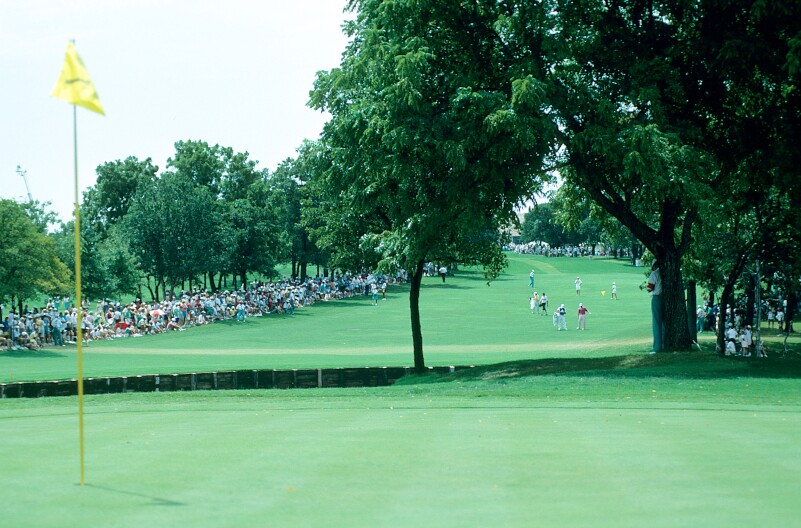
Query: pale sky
pixel 235 73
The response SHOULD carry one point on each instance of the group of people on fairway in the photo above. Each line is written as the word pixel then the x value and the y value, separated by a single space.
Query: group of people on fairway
pixel 539 306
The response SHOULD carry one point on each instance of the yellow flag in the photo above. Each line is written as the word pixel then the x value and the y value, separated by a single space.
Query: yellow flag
pixel 74 84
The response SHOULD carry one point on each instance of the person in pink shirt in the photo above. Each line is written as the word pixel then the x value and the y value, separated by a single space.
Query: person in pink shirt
pixel 582 317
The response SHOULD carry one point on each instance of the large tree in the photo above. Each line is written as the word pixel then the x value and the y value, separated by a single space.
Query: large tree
pixel 285 207
pixel 428 149
pixel 108 200
pixel 171 227
pixel 28 262
pixel 541 224
pixel 663 105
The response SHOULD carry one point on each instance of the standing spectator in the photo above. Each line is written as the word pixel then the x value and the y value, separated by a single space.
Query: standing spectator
pixel 745 341
pixel 731 339
pixel 771 317
pixel 654 285
pixel 582 317
pixel 58 328
pixel 780 320
pixel 578 286
pixel 374 289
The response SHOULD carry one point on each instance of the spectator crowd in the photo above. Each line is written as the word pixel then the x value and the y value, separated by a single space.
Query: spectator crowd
pixel 55 324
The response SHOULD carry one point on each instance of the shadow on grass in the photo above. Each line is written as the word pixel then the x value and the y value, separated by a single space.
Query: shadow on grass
pixel 477 275
pixel 155 501
pixel 31 354
pixel 673 365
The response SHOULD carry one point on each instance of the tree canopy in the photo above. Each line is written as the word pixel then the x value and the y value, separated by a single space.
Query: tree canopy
pixel 28 262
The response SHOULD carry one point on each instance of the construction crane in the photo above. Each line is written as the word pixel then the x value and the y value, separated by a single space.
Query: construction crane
pixel 27 188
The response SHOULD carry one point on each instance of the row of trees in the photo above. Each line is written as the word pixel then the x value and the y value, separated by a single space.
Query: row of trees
pixel 210 216
pixel 559 223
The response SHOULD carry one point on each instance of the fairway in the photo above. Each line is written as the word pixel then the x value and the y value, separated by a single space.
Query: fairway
pixel 550 429
pixel 464 322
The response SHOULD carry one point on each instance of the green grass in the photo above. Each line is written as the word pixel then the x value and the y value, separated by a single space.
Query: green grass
pixel 485 448
pixel 550 429
pixel 464 322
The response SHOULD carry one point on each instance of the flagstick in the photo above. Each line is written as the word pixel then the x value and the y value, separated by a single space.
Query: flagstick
pixel 79 331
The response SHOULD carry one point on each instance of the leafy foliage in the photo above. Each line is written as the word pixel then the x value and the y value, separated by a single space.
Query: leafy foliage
pixel 28 261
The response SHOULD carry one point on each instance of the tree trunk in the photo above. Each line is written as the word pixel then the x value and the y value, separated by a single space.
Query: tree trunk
pixel 710 321
pixel 414 309
pixel 304 238
pixel 692 317
pixel 750 295
pixel 792 301
pixel 677 335
pixel 726 298
pixel 725 302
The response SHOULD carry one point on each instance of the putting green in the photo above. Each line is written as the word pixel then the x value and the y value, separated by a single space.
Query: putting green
pixel 504 452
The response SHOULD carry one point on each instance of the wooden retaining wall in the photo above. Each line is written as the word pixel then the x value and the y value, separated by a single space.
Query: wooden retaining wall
pixel 221 380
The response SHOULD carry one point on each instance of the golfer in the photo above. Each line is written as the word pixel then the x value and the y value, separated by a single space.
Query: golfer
pixel 582 317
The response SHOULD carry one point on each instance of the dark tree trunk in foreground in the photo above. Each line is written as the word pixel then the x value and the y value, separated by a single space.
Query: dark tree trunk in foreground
pixel 414 310
pixel 677 335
